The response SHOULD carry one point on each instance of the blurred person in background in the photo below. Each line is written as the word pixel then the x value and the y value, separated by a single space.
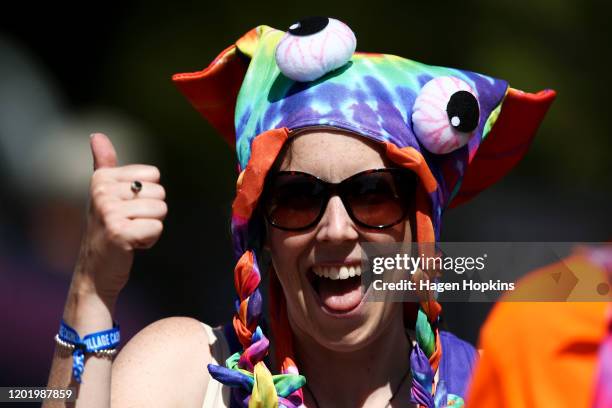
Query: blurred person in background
pixel 45 174
pixel 556 351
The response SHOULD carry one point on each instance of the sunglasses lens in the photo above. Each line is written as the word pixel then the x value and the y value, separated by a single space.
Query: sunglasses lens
pixel 294 201
pixel 380 199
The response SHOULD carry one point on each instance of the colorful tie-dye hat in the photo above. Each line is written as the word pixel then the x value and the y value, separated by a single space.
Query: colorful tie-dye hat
pixel 459 131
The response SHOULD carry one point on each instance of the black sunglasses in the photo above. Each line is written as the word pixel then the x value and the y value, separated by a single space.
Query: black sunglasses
pixel 376 198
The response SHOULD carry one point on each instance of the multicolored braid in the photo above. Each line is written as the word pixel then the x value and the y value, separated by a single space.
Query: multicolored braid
pixel 252 383
pixel 459 131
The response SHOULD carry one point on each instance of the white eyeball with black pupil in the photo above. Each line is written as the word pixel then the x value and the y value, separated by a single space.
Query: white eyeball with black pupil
pixel 313 47
pixel 445 114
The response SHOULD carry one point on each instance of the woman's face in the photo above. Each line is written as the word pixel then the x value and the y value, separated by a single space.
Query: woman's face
pixel 333 312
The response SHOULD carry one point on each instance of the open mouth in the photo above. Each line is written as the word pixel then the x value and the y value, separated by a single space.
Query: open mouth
pixel 338 287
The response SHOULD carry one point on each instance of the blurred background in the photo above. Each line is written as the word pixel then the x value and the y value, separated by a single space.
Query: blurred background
pixel 67 71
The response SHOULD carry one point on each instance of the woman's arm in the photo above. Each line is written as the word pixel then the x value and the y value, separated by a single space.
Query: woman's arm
pixel 165 365
pixel 118 222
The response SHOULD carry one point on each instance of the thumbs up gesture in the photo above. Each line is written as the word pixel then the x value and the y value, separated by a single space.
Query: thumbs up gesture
pixel 120 219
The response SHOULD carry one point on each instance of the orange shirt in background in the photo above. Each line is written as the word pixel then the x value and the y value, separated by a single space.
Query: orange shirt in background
pixel 544 354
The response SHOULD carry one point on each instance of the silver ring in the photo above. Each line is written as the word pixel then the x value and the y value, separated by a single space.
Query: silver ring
pixel 136 186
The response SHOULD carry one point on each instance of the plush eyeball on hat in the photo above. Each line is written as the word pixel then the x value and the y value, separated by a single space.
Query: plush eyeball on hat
pixel 314 46
pixel 445 114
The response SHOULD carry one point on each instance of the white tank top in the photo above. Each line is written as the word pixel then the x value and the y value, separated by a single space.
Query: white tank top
pixel 217 395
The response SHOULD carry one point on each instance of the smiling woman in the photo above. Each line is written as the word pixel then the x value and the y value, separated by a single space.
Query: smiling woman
pixel 331 247
pixel 335 149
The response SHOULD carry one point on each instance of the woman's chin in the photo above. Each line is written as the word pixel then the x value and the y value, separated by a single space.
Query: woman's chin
pixel 349 334
pixel 341 317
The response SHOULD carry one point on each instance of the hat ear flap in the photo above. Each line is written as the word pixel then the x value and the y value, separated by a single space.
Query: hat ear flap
pixel 507 142
pixel 213 91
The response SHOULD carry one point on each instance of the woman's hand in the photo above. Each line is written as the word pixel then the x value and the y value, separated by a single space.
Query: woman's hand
pixel 118 221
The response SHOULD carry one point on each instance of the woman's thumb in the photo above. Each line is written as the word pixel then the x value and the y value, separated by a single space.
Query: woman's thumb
pixel 102 150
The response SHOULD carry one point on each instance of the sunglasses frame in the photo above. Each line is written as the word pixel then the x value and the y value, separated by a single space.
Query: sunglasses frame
pixel 332 189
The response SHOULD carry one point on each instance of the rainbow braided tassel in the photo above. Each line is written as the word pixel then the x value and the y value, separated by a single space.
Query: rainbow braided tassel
pixel 422 378
pixel 422 372
pixel 253 384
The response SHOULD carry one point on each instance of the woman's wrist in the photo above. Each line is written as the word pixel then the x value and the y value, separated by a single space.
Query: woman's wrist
pixel 92 277
pixel 86 310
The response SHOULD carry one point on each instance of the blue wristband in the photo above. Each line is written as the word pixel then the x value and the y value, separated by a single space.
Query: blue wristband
pixel 102 340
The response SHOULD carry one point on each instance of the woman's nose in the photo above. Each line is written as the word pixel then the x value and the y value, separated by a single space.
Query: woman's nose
pixel 336 225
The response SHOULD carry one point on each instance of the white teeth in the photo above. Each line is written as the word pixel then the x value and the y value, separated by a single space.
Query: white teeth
pixel 337 272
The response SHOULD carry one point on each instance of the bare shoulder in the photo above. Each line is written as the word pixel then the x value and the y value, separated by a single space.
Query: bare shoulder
pixel 163 365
